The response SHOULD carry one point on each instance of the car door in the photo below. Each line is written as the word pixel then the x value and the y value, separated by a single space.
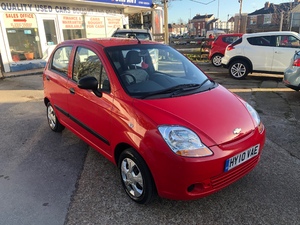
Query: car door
pixel 260 52
pixel 286 45
pixel 56 81
pixel 90 114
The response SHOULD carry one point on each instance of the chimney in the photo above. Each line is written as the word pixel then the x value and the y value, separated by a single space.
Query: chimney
pixel 267 5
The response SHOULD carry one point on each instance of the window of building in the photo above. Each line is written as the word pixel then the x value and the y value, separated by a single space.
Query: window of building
pixel 267 18
pixel 73 27
pixel 23 38
pixel 253 20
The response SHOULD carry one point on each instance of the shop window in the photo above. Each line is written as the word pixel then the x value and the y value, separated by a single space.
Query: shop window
pixel 24 43
pixel 70 34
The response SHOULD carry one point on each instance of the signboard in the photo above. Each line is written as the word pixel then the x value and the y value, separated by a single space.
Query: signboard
pixel 141 3
pixel 112 23
pixel 72 22
pixel 95 26
pixel 20 20
pixel 57 8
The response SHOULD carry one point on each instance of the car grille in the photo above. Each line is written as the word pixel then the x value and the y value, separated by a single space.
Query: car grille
pixel 231 176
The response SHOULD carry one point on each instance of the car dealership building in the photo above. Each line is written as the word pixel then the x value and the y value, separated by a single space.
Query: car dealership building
pixel 30 29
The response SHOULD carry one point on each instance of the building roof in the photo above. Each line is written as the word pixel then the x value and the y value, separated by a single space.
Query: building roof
pixel 197 17
pixel 270 8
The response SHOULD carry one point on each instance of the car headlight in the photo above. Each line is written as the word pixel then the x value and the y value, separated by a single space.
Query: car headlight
pixel 255 116
pixel 183 141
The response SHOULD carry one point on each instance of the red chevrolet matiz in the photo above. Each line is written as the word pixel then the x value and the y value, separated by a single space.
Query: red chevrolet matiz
pixel 170 129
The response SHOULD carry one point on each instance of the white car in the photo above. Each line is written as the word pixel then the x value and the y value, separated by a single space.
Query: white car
pixel 268 52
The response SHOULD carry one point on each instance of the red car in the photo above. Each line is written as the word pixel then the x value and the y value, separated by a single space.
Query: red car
pixel 169 128
pixel 219 45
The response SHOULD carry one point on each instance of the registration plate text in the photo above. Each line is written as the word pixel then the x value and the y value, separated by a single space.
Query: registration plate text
pixel 241 157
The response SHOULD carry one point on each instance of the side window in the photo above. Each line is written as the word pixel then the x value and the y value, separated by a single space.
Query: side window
pixel 60 60
pixel 261 41
pixel 287 41
pixel 87 63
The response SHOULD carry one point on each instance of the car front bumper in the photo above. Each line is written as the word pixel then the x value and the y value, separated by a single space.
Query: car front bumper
pixel 183 178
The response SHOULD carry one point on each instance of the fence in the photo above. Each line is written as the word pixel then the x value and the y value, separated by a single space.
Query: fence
pixel 195 48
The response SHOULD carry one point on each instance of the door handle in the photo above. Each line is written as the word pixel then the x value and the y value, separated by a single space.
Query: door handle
pixel 47 78
pixel 72 90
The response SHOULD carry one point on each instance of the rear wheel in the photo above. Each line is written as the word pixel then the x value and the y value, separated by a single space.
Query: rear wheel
pixel 53 122
pixel 239 69
pixel 217 60
pixel 136 178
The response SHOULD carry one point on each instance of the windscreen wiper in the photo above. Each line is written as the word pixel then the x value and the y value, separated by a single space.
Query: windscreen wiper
pixel 173 91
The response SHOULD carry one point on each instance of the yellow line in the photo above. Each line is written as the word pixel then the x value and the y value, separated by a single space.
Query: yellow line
pixel 261 90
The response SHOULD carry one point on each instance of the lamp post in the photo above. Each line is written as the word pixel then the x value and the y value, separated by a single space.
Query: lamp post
pixel 166 21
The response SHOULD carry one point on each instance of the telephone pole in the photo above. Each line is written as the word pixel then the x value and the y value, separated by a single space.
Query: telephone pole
pixel 240 16
pixel 166 21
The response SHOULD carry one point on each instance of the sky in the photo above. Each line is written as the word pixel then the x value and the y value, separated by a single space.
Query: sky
pixel 183 10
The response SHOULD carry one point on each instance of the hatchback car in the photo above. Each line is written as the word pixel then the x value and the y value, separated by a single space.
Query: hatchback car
pixel 291 76
pixel 268 52
pixel 142 34
pixel 169 128
pixel 219 45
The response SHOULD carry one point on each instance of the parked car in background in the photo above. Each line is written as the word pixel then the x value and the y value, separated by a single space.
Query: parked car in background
pixel 156 124
pixel 219 45
pixel 268 52
pixel 141 34
pixel 291 76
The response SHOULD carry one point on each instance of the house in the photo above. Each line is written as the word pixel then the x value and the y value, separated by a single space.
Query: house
pixel 272 17
pixel 201 23
pixel 178 29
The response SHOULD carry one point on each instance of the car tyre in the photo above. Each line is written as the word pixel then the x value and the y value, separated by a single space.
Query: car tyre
pixel 136 178
pixel 217 60
pixel 239 69
pixel 53 122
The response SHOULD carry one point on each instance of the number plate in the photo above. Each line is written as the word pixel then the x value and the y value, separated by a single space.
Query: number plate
pixel 241 158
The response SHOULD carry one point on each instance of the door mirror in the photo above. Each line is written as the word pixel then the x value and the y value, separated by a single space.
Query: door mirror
pixel 89 83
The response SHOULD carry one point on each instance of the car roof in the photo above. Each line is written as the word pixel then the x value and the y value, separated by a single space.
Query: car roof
pixel 230 34
pixel 271 33
pixel 132 30
pixel 109 42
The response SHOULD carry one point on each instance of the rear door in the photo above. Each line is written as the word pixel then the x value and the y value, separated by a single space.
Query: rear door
pixel 260 51
pixel 56 79
pixel 286 45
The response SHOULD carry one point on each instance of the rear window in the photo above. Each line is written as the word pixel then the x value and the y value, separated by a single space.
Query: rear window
pixel 230 39
pixel 141 36
pixel 238 41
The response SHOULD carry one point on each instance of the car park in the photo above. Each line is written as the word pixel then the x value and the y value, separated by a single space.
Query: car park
pixel 142 34
pixel 169 129
pixel 268 52
pixel 291 76
pixel 219 45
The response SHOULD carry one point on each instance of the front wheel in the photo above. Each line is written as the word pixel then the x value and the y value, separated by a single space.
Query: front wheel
pixel 239 69
pixel 136 178
pixel 53 122
pixel 217 60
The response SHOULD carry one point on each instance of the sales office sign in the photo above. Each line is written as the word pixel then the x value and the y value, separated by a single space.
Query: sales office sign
pixel 20 20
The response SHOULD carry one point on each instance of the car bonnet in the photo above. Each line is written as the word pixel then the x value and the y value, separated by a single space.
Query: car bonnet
pixel 214 115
